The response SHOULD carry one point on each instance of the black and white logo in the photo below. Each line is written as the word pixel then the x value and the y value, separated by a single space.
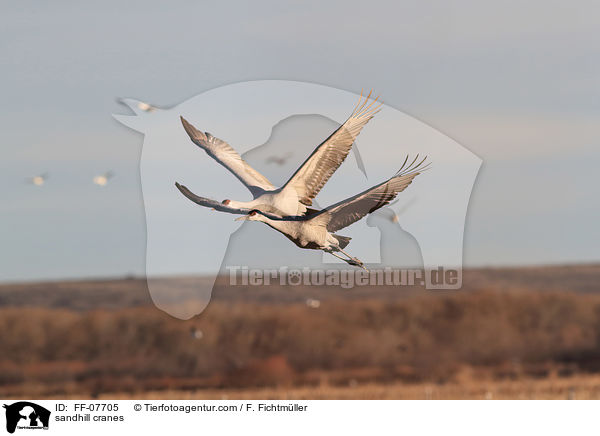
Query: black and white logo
pixel 26 415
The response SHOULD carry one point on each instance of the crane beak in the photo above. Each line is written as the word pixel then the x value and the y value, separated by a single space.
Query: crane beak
pixel 242 218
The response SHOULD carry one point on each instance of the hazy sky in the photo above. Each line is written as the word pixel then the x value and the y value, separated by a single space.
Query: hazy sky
pixel 516 83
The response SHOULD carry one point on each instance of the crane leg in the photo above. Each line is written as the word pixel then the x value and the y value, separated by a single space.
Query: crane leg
pixel 338 256
pixel 352 261
pixel 356 261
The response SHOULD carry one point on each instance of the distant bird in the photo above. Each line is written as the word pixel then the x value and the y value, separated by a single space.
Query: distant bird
pixel 389 214
pixel 196 333
pixel 131 103
pixel 299 191
pixel 102 180
pixel 279 160
pixel 37 180
pixel 146 107
pixel 397 247
pixel 312 303
pixel 316 230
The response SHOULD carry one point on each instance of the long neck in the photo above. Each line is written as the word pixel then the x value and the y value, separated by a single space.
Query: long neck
pixel 280 226
pixel 241 204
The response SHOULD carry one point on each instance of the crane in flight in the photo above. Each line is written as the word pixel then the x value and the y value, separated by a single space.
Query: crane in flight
pixel 143 106
pixel 279 160
pixel 292 198
pixel 103 179
pixel 38 180
pixel 316 229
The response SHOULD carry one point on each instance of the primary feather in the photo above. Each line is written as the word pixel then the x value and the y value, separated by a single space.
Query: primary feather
pixel 224 154
pixel 312 175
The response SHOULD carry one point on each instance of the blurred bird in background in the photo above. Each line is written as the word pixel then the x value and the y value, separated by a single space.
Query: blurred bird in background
pixel 37 180
pixel 279 160
pixel 103 179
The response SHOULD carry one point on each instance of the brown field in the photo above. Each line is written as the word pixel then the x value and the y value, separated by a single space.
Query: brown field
pixel 579 387
pixel 509 333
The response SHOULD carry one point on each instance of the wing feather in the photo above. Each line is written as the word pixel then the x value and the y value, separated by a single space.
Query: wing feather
pixel 265 209
pixel 354 208
pixel 329 155
pixel 224 154
pixel 207 202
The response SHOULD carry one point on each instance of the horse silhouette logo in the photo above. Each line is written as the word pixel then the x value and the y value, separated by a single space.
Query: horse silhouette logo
pixel 26 415
pixel 275 125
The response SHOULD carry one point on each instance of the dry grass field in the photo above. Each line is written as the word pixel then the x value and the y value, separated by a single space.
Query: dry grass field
pixel 508 334
pixel 578 387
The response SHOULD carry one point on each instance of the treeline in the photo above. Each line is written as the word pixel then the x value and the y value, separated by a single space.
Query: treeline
pixel 427 337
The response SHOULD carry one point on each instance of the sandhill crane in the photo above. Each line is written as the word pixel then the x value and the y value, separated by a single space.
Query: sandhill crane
pixel 279 160
pixel 390 215
pixel 387 213
pixel 102 179
pixel 131 103
pixel 37 180
pixel 299 191
pixel 316 230
pixel 146 107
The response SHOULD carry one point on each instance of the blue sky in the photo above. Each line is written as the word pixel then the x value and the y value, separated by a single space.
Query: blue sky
pixel 518 84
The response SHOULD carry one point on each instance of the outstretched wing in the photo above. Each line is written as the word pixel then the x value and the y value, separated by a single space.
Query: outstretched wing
pixel 329 155
pixel 224 154
pixel 352 209
pixel 265 209
pixel 207 202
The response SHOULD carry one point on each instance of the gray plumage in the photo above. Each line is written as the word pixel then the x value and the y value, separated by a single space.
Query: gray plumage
pixel 329 155
pixel 299 191
pixel 316 230
pixel 224 154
